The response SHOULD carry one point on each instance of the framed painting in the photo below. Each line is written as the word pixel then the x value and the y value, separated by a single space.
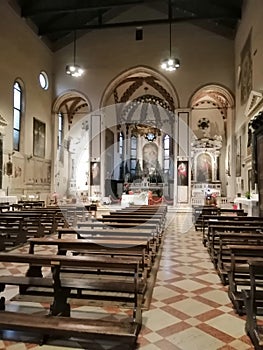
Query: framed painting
pixel 39 138
pixel 204 168
pixel 238 157
pixel 182 173
pixel 95 173
pixel 246 71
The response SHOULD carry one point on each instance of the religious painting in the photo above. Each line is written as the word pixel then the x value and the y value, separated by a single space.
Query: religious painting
pixel 249 180
pixel 204 168
pixel 95 173
pixel 246 71
pixel 238 157
pixel 39 138
pixel 182 173
pixel 228 161
pixel 150 157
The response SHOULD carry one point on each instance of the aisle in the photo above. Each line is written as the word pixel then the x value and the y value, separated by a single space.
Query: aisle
pixel 190 308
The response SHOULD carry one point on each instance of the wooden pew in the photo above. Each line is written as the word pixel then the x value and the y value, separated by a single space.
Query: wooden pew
pixel 53 324
pixel 198 213
pixel 32 204
pixel 231 226
pixel 12 231
pixel 224 254
pixel 253 299
pixel 143 215
pixel 232 212
pixel 95 225
pixel 86 232
pixel 34 221
pixel 132 222
pixel 120 225
pixel 206 219
pixel 238 276
pixel 112 233
pixel 47 218
pixel 140 249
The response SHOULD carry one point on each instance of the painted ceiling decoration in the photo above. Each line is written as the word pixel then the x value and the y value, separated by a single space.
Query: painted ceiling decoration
pixel 136 83
pixel 72 105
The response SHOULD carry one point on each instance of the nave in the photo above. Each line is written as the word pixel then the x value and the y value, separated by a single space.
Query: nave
pixel 190 309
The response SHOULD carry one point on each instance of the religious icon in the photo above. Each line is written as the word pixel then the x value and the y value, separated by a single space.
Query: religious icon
pixel 95 173
pixel 182 173
pixel 150 157
pixel 204 168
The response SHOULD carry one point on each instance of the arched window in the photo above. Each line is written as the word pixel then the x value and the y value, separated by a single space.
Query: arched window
pixel 17 115
pixel 121 145
pixel 166 154
pixel 133 154
pixel 121 154
pixel 60 135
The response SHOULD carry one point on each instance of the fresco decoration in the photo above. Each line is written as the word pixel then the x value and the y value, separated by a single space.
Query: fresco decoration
pixel 246 71
pixel 39 138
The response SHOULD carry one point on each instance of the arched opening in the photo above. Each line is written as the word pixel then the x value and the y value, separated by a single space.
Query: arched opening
pixel 212 117
pixel 144 103
pixel 70 125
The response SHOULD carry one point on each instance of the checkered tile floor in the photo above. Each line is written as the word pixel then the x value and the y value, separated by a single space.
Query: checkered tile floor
pixel 190 309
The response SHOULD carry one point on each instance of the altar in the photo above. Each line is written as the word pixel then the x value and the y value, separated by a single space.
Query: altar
pixel 134 199
pixel 250 206
pixel 8 199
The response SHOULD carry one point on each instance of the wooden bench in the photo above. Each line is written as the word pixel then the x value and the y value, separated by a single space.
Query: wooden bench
pixel 68 326
pixel 95 225
pixel 234 226
pixel 206 219
pixel 238 276
pixel 198 213
pixel 133 222
pixel 47 217
pixel 12 231
pixel 253 299
pixel 92 232
pixel 32 204
pixel 224 254
pixel 138 249
pixel 143 215
pixel 41 223
pixel 113 234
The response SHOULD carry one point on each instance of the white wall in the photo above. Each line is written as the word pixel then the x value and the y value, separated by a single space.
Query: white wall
pixel 205 58
pixel 23 56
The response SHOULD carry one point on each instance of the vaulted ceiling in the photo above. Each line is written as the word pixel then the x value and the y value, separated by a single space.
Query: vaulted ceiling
pixel 55 20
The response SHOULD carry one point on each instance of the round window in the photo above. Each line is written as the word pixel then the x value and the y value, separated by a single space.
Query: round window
pixel 43 80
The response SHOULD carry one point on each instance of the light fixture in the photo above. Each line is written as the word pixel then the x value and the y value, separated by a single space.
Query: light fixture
pixel 150 136
pixel 74 69
pixel 170 64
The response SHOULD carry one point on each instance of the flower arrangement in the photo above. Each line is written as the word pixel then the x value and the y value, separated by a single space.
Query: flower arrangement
pixel 248 195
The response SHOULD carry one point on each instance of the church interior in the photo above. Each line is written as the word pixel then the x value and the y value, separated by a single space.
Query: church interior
pixel 109 106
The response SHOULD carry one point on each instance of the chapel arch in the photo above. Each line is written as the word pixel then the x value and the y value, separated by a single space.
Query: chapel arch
pixel 72 104
pixel 70 142
pixel 212 124
pixel 144 103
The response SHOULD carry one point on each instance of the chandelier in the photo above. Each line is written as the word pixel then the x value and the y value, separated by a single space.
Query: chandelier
pixel 170 64
pixel 74 69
